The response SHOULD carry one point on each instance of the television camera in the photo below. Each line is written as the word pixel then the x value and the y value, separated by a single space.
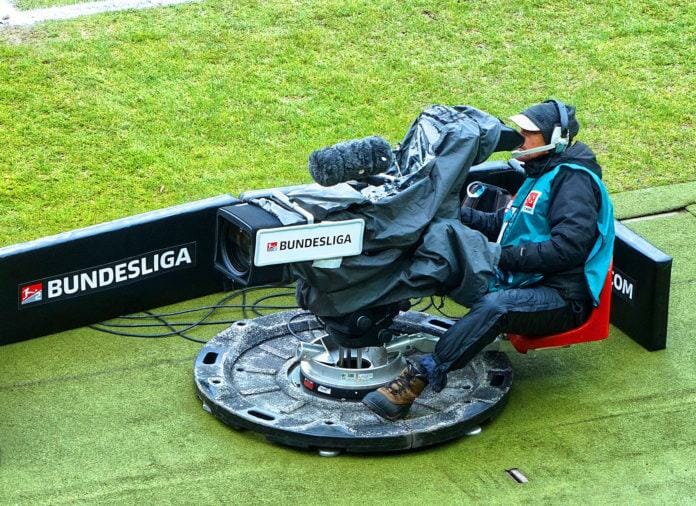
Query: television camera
pixel 380 227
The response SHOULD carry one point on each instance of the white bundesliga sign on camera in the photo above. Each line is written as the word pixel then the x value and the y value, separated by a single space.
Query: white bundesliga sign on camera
pixel 302 243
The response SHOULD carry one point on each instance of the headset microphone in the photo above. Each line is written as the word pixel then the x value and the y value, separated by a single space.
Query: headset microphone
pixel 519 153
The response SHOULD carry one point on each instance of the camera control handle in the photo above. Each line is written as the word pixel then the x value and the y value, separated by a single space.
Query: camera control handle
pixel 283 199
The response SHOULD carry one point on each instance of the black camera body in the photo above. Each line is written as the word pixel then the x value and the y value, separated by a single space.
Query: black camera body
pixel 235 240
pixel 238 225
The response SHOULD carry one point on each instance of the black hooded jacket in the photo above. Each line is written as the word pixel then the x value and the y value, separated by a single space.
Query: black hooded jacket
pixel 573 212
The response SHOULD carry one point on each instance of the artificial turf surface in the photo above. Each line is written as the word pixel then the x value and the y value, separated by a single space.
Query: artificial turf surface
pixel 660 199
pixel 89 417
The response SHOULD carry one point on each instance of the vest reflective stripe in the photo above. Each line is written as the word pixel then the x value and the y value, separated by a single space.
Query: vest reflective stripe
pixel 527 221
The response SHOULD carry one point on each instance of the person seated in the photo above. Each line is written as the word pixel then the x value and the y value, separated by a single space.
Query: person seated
pixel 557 239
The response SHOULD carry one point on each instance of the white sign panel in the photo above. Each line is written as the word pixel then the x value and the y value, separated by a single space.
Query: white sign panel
pixel 302 243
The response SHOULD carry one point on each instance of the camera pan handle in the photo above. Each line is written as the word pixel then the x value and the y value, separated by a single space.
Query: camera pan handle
pixel 283 199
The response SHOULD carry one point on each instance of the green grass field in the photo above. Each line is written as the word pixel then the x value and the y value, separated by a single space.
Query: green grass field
pixel 106 116
pixel 111 115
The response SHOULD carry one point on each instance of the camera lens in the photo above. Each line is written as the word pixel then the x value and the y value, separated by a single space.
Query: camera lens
pixel 236 249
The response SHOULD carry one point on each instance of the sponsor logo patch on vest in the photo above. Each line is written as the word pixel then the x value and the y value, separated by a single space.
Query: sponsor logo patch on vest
pixel 531 201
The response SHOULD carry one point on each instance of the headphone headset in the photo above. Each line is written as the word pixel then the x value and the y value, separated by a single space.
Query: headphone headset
pixel 560 137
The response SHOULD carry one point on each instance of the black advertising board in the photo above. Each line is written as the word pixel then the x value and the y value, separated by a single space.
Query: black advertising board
pixel 641 284
pixel 162 257
pixel 89 275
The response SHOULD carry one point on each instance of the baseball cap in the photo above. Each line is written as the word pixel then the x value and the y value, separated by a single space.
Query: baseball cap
pixel 544 117
pixel 524 123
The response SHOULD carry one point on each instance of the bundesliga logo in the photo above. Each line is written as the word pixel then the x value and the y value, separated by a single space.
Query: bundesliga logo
pixel 112 275
pixel 31 293
pixel 272 246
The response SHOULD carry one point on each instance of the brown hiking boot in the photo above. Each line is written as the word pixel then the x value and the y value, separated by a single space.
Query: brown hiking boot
pixel 393 401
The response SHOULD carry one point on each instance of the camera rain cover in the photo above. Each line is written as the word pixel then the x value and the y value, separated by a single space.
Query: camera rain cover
pixel 414 243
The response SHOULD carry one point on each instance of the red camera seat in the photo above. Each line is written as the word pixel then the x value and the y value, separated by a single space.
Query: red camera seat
pixel 595 328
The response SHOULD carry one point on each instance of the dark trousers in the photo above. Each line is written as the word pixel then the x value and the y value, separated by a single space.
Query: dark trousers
pixel 528 311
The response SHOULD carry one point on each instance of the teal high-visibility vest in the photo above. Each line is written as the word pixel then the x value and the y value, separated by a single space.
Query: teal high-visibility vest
pixel 526 220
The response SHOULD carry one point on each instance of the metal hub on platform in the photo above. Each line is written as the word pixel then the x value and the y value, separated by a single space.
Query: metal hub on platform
pixel 344 373
pixel 281 376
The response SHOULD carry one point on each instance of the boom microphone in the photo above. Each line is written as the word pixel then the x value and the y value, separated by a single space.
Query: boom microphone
pixel 519 153
pixel 350 160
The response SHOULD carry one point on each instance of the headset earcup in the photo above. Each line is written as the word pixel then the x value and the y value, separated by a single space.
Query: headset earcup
pixel 557 135
pixel 557 138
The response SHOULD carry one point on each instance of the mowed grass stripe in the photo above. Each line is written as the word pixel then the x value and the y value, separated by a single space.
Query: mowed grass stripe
pixel 120 113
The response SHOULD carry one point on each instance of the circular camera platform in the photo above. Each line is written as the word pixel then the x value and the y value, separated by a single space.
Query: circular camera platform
pixel 251 376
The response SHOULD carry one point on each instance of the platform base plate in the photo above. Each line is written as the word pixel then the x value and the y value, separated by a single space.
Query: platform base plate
pixel 246 377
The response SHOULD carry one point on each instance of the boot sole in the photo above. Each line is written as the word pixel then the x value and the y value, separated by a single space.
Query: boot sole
pixel 379 410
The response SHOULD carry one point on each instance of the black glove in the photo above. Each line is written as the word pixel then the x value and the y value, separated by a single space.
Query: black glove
pixel 509 257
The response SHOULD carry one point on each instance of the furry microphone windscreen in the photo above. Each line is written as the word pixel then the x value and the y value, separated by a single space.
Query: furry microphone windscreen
pixel 350 160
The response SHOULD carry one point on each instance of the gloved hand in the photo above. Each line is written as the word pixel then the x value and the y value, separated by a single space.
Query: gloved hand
pixel 509 257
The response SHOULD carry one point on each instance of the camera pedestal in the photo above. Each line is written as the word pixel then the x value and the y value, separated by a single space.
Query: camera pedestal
pixel 251 377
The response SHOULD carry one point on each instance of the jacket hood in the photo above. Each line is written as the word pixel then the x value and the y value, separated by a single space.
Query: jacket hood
pixel 577 153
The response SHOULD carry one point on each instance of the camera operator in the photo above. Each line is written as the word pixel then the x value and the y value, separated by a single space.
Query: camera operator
pixel 557 242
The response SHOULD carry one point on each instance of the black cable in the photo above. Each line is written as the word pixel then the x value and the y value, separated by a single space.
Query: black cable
pixel 168 334
pixel 214 306
pixel 130 334
pixel 414 305
pixel 160 316
pixel 430 304
pixel 198 309
pixel 180 333
pixel 211 310
pixel 255 305
pixel 244 309
pixel 289 326
pixel 439 310
pixel 164 323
